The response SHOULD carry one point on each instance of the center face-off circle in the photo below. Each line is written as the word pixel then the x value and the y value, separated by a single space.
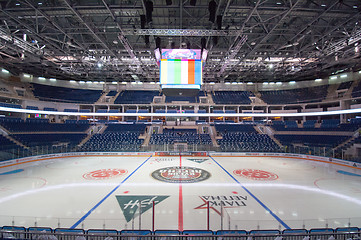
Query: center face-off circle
pixel 256 174
pixel 181 174
pixel 104 174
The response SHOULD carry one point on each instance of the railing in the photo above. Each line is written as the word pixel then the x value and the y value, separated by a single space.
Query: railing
pixel 79 234
pixel 14 153
pixel 229 221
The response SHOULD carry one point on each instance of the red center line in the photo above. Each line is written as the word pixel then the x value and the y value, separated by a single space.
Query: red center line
pixel 180 205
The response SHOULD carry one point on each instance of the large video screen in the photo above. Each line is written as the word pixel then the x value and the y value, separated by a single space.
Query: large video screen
pixel 181 53
pixel 180 71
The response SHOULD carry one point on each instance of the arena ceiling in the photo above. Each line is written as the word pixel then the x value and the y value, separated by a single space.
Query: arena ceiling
pixel 246 40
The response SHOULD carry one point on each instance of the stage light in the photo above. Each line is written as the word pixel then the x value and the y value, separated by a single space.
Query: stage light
pixel 192 2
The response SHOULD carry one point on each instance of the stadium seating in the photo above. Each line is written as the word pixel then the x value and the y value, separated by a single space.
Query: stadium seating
pixel 117 137
pixel 194 99
pixel 72 139
pixel 42 125
pixel 244 138
pixel 84 110
pixel 356 91
pixel 10 105
pixel 232 97
pixel 247 142
pixel 50 109
pixel 112 93
pixel 133 97
pixel 330 123
pixel 113 111
pixel 190 136
pixel 326 125
pixel 309 124
pixel 5 143
pixel 345 85
pixel 311 140
pixel 224 128
pixel 299 95
pixel 62 94
pixel 70 110
pixel 32 107
pixel 113 141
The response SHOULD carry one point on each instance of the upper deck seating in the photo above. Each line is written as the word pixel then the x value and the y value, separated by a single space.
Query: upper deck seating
pixel 232 97
pixel 63 94
pixel 133 97
pixel 299 95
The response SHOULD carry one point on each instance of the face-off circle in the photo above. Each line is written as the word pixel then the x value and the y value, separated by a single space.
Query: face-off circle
pixel 181 174
pixel 104 174
pixel 256 174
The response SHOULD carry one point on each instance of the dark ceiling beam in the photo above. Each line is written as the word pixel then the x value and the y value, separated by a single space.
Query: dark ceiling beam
pixel 266 37
pixel 314 20
pixel 92 31
pixel 125 42
pixel 34 32
pixel 53 23
pixel 323 36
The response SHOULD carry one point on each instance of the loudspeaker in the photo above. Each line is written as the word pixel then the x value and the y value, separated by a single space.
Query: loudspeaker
pixel 212 8
pixel 192 2
pixel 157 42
pixel 142 21
pixel 168 2
pixel 146 39
pixel 219 22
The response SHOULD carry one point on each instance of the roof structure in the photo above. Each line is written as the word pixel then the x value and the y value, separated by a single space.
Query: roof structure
pixel 246 40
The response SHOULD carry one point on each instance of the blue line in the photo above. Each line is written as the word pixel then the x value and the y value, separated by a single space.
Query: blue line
pixel 12 172
pixel 101 201
pixel 255 198
pixel 349 173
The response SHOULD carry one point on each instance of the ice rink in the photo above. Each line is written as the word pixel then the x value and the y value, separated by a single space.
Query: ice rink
pixel 95 192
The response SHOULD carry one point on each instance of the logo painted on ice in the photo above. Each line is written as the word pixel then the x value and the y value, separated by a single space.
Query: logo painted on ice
pixel 104 174
pixel 181 174
pixel 130 204
pixel 217 202
pixel 197 160
pixel 256 174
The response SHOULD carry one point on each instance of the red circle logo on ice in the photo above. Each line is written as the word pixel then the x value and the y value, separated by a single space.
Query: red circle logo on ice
pixel 256 174
pixel 181 174
pixel 104 174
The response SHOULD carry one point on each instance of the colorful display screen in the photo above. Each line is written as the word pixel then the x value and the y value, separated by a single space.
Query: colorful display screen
pixel 180 72
pixel 181 53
